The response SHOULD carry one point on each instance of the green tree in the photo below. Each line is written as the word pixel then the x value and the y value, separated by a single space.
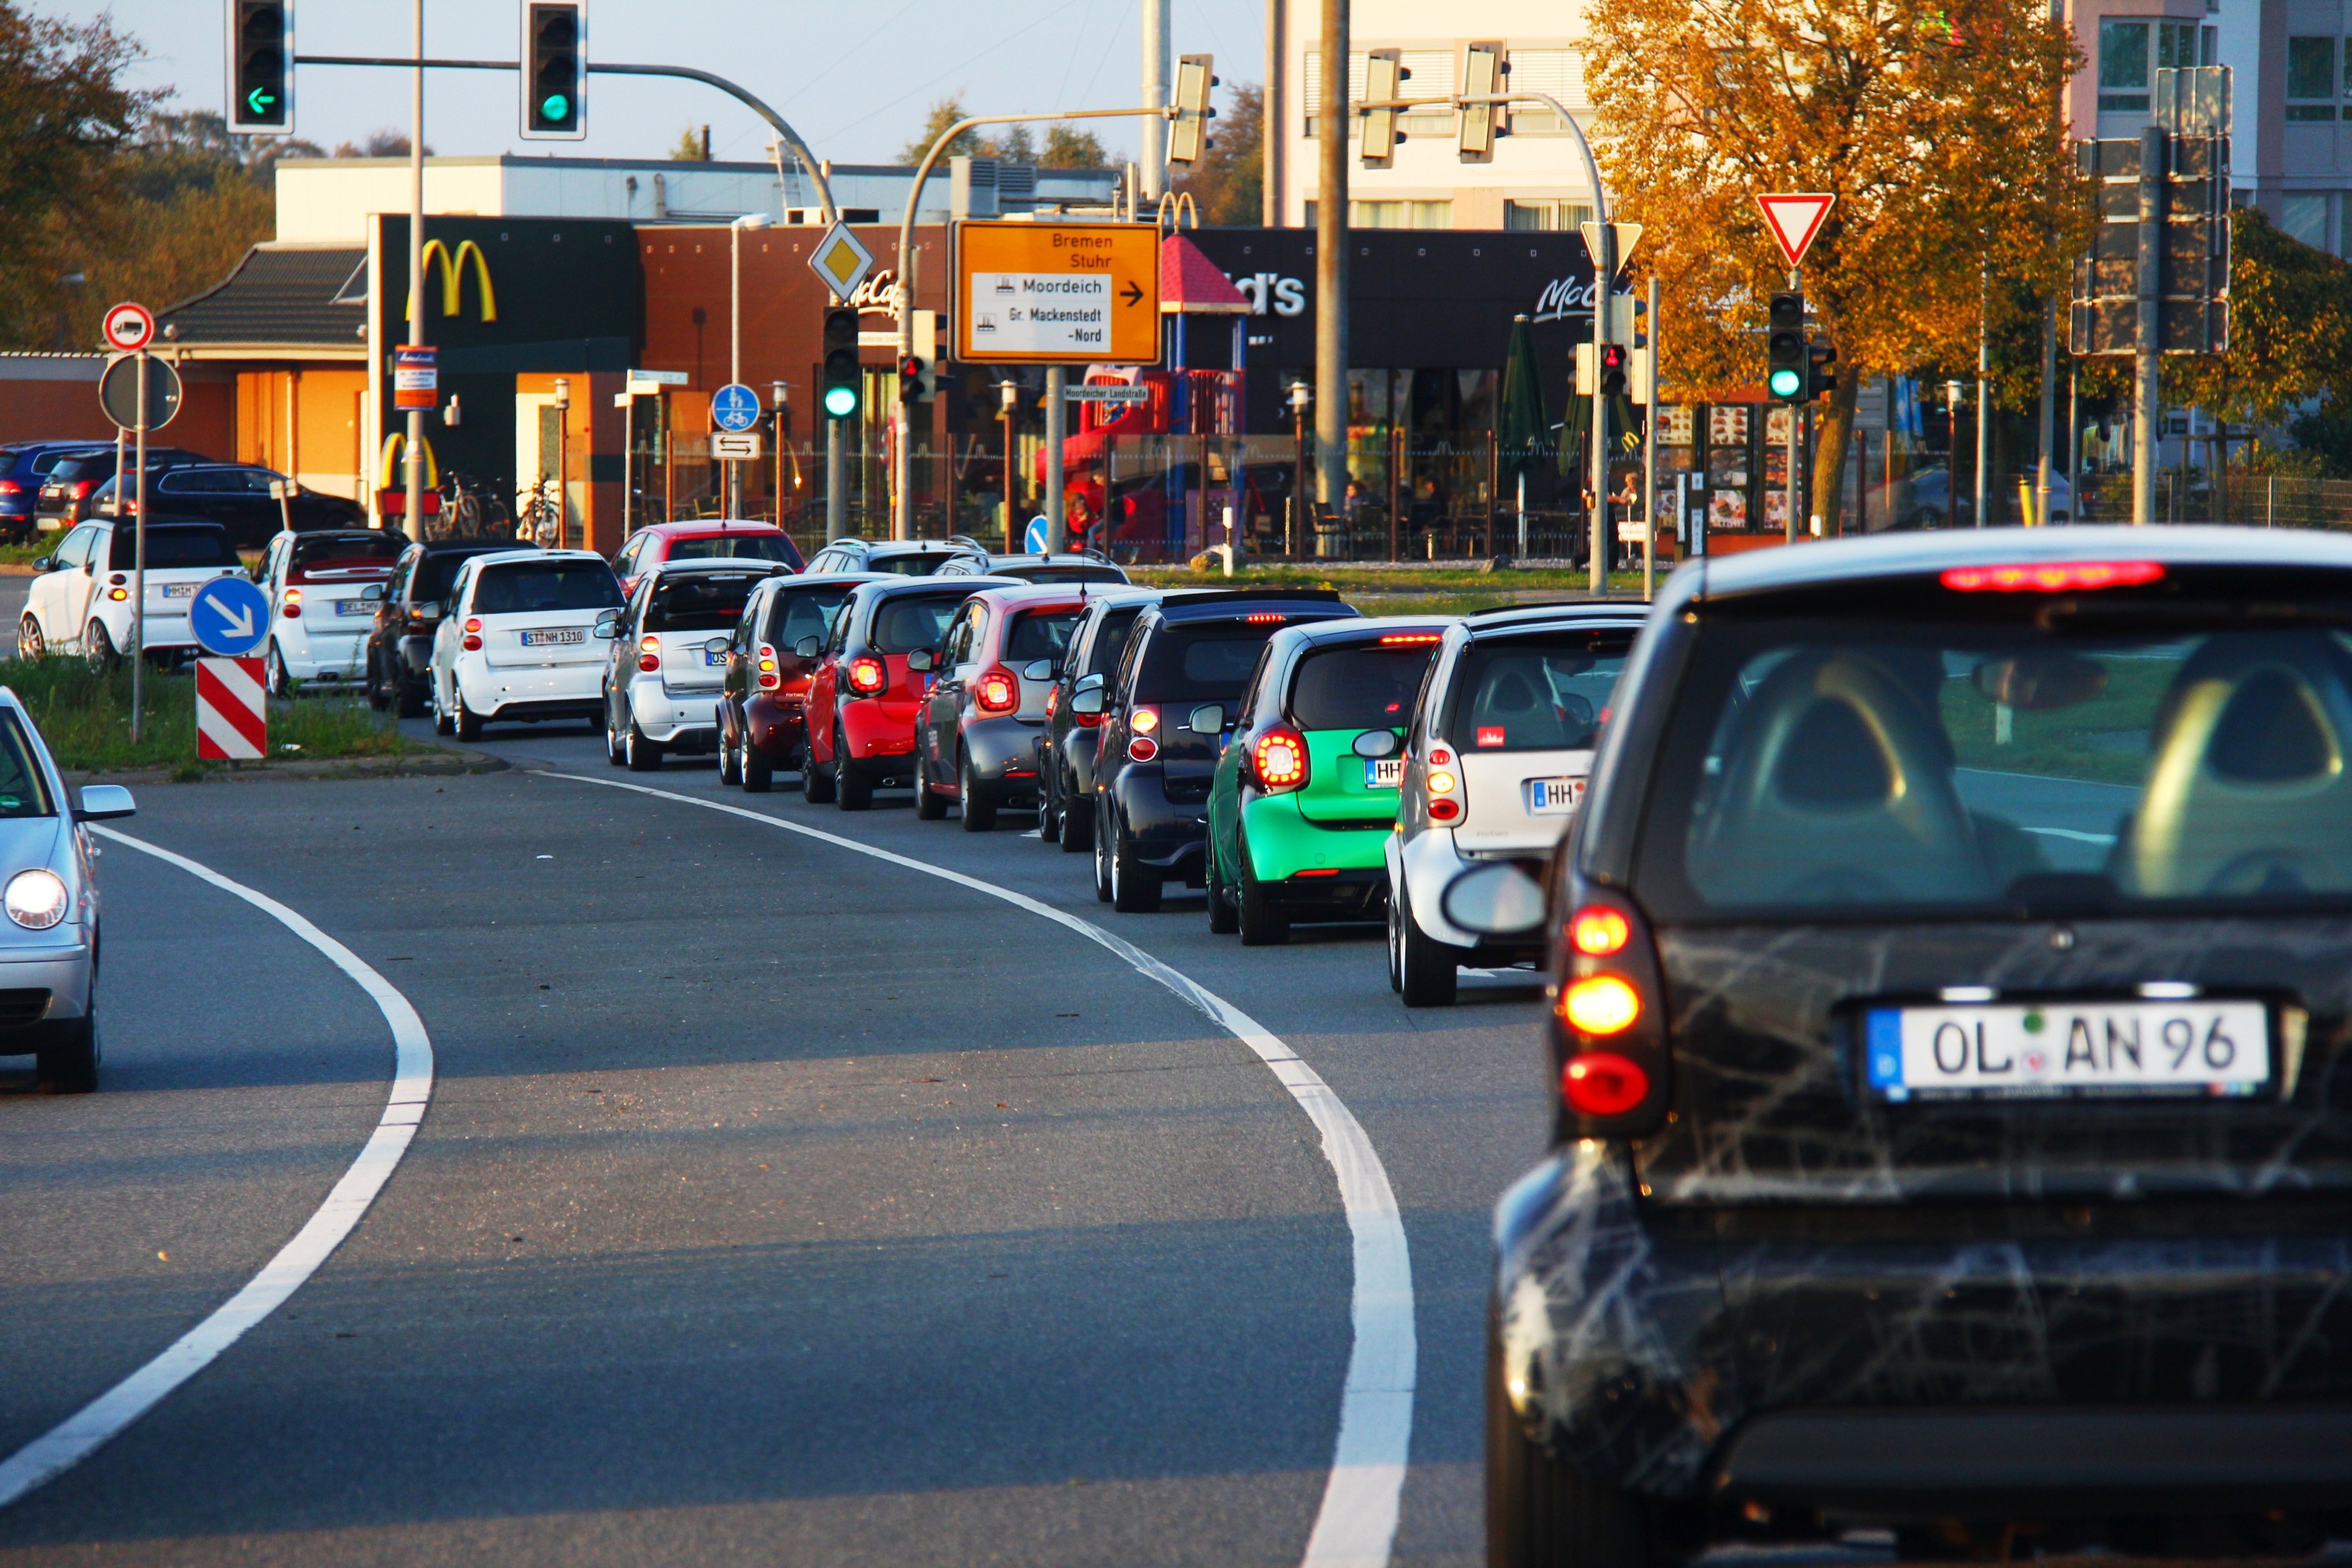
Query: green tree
pixel 2290 332
pixel 1228 182
pixel 943 113
pixel 687 151
pixel 1067 147
pixel 64 120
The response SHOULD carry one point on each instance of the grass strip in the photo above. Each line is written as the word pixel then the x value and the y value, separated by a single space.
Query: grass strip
pixel 85 716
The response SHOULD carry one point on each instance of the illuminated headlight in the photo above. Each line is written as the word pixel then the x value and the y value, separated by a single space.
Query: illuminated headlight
pixel 37 899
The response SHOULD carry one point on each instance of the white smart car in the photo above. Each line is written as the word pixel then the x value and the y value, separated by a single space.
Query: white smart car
pixel 524 639
pixel 323 589
pixel 80 598
pixel 670 662
pixel 1494 770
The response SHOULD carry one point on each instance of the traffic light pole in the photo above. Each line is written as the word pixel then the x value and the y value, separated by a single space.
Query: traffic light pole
pixel 413 450
pixel 1796 448
pixel 902 297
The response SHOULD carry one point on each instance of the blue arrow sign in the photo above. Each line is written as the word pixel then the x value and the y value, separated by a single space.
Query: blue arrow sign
pixel 735 406
pixel 1032 538
pixel 230 617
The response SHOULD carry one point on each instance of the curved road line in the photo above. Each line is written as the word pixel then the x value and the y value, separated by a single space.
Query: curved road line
pixel 81 1434
pixel 1356 1524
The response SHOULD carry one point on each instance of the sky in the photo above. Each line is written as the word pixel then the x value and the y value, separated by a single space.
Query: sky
pixel 855 80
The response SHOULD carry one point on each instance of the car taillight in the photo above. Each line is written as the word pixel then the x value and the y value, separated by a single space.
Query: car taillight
pixel 768 679
pixel 997 692
pixel 294 604
pixel 82 488
pixel 1409 639
pixel 1145 719
pixel 2053 577
pixel 649 653
pixel 472 641
pixel 868 675
pixel 118 595
pixel 1053 701
pixel 1278 757
pixel 11 488
pixel 1142 749
pixel 1443 787
pixel 1609 1025
pixel 1266 618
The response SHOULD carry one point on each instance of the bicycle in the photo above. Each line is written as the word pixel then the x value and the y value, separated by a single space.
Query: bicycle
pixel 539 515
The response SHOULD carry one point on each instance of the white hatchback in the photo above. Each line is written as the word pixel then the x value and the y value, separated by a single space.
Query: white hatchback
pixel 1494 767
pixel 80 600
pixel 323 589
pixel 524 639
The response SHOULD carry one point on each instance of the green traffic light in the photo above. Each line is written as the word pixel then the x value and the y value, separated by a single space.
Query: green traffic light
pixel 840 402
pixel 1787 382
pixel 554 106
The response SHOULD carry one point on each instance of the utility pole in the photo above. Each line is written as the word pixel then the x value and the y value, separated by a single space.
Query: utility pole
pixel 415 449
pixel 1275 113
pixel 1331 127
pixel 2146 412
pixel 1156 43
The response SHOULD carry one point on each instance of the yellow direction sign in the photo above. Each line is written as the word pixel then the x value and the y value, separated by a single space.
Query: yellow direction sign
pixel 1058 293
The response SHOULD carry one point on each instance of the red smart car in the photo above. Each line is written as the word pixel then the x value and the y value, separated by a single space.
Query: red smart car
pixel 863 699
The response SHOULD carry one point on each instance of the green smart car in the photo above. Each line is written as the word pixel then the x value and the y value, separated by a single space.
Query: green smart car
pixel 1305 792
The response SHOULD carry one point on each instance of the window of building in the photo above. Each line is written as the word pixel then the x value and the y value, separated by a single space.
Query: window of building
pixel 2304 217
pixel 2311 78
pixel 1545 215
pixel 2123 67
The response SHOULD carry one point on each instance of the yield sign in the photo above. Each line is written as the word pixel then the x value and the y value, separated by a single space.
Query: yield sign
pixel 1794 220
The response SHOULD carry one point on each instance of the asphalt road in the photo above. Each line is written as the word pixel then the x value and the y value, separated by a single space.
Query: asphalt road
pixel 775 1202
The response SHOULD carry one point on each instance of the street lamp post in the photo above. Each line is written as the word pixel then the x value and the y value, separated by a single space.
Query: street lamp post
pixel 414 492
pixel 1008 391
pixel 1301 395
pixel 563 461
pixel 735 337
pixel 1953 392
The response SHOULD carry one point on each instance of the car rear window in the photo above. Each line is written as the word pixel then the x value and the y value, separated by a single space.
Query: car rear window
pixel 729 546
pixel 905 623
pixel 1059 573
pixel 1201 664
pixel 1040 634
pixel 916 563
pixel 435 573
pixel 807 613
pixel 168 545
pixel 697 603
pixel 1545 692
pixel 1835 766
pixel 1358 688
pixel 530 586
pixel 311 552
pixel 24 792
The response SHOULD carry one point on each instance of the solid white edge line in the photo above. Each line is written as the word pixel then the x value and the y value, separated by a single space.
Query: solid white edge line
pixel 1356 1525
pixel 84 1431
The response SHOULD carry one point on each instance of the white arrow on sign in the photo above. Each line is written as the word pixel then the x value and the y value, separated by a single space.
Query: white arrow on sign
pixel 240 624
pixel 1794 220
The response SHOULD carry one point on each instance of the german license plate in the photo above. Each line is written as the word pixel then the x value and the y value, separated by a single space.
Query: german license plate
pixel 179 590
pixel 354 606
pixel 1383 772
pixel 554 637
pixel 1554 797
pixel 2055 1051
pixel 710 657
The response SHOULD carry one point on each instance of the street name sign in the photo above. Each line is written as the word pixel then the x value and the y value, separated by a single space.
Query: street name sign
pixel 736 446
pixel 1058 293
pixel 1794 220
pixel 649 383
pixel 735 407
pixel 841 260
pixel 117 391
pixel 230 617
pixel 130 327
pixel 1114 394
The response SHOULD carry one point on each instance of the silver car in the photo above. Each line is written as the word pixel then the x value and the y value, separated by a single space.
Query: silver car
pixel 48 893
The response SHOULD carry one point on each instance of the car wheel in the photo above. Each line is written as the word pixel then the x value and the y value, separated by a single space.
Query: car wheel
pixel 443 724
pixel 641 756
pixel 759 773
pixel 730 770
pixel 407 696
pixel 1077 827
pixel 1224 919
pixel 72 1067
pixel 1049 818
pixel 1425 967
pixel 930 806
pixel 96 647
pixel 274 677
pixel 852 790
pixel 1134 888
pixel 1396 943
pixel 1263 925
pixel 979 811
pixel 30 643
pixel 1102 857
pixel 379 688
pixel 817 779
pixel 613 752
pixel 469 723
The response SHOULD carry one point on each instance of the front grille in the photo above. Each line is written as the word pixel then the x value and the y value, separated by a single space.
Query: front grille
pixel 25 1004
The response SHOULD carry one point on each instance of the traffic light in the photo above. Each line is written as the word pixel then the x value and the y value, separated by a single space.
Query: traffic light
pixel 1614 358
pixel 842 376
pixel 1787 370
pixel 1195 76
pixel 1819 379
pixel 261 66
pixel 555 69
pixel 914 379
pixel 1385 74
pixel 1482 74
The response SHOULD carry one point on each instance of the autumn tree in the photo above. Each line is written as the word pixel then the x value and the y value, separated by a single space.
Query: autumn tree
pixel 64 119
pixel 1067 147
pixel 1936 128
pixel 1228 182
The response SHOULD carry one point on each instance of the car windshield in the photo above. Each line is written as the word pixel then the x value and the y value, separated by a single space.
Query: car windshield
pixel 531 587
pixel 1835 766
pixel 805 614
pixel 904 624
pixel 24 792
pixel 172 546
pixel 1545 692
pixel 726 546
pixel 699 603
pixel 311 552
pixel 1200 664
pixel 1358 688
pixel 1040 634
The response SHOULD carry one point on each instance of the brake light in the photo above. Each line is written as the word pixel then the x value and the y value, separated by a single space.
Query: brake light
pixel 649 653
pixel 1600 1004
pixel 1264 618
pixel 1142 749
pixel 82 488
pixel 1409 639
pixel 294 606
pixel 998 692
pixel 1053 701
pixel 868 675
pixel 11 488
pixel 1279 759
pixel 473 623
pixel 1145 719
pixel 1602 1083
pixel 768 679
pixel 2054 578
pixel 1597 931
pixel 1609 1023
pixel 117 578
pixel 472 641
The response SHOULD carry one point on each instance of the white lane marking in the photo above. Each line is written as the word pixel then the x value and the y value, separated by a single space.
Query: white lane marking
pixel 1356 1524
pixel 81 1434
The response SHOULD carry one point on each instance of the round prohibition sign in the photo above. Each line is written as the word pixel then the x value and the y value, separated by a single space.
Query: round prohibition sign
pixel 129 326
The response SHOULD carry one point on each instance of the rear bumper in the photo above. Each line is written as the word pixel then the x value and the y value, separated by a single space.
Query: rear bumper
pixel 1171 836
pixel 544 691
pixel 777 729
pixel 1004 753
pixel 874 727
pixel 325 655
pixel 1285 841
pixel 685 720
pixel 2007 1367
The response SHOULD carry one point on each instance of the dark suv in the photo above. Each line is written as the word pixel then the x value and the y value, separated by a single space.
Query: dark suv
pixel 241 497
pixel 1950 1062
pixel 400 649
pixel 1166 715
pixel 69 495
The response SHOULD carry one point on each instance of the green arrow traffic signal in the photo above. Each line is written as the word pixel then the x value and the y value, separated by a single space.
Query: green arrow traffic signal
pixel 259 100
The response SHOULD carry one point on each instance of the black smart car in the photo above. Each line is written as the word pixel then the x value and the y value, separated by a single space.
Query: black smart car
pixel 1165 717
pixel 400 648
pixel 1065 746
pixel 1953 966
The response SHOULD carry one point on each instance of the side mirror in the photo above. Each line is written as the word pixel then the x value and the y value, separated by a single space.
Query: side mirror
pixel 428 608
pixel 1494 900
pixel 1375 744
pixel 717 644
pixel 1037 670
pixel 374 593
pixel 1208 719
pixel 807 648
pixel 608 625
pixel 922 661
pixel 46 563
pixel 1090 683
pixel 104 803
pixel 1088 700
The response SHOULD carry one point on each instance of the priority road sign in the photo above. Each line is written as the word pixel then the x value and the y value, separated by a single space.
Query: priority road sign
pixel 841 260
pixel 735 407
pixel 229 616
pixel 1794 220
pixel 232 709
pixel 1058 293
pixel 117 391
pixel 130 327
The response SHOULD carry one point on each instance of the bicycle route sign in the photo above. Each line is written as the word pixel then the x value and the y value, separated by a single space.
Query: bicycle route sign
pixel 230 617
pixel 735 407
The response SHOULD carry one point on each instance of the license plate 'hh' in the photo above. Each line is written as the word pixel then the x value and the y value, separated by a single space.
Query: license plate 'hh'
pixel 1554 797
pixel 2045 1050
pixel 1383 772
pixel 554 637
